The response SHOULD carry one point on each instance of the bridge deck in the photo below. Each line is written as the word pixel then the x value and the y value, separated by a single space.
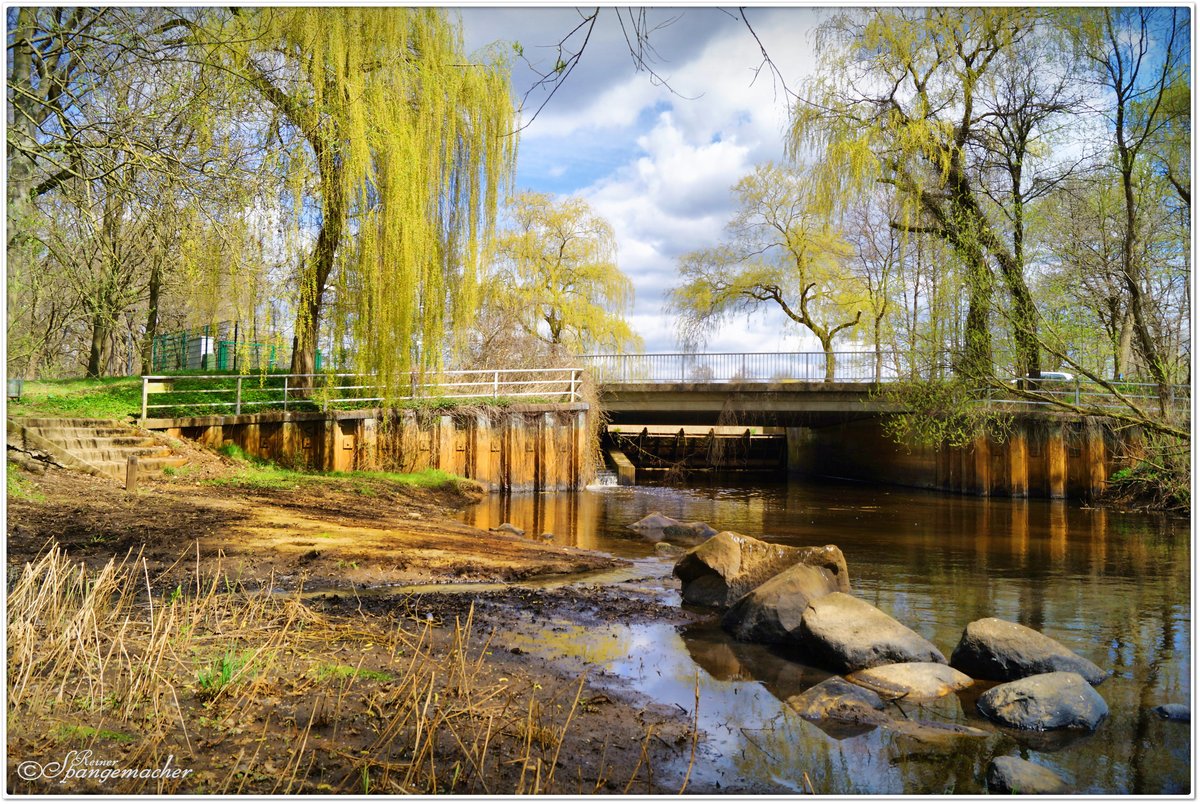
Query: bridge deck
pixel 787 403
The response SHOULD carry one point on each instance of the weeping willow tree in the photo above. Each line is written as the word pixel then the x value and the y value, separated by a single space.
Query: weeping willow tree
pixel 396 147
pixel 557 277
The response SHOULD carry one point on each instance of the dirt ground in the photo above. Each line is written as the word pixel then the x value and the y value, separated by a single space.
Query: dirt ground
pixel 339 537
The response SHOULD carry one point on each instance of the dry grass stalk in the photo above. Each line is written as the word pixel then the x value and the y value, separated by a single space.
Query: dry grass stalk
pixel 100 652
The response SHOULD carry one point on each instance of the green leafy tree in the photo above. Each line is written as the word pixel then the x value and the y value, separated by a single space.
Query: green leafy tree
pixel 557 277
pixel 779 251
pixel 1140 57
pixel 396 145
pixel 911 98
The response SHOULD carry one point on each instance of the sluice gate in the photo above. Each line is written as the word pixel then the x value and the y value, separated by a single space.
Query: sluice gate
pixel 667 452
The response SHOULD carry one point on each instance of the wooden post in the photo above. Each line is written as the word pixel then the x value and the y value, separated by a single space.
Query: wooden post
pixel 1095 475
pixel 131 474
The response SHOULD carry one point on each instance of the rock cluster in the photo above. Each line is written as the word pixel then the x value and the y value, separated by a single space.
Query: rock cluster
pixel 800 597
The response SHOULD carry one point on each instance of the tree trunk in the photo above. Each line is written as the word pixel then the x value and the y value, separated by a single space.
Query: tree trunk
pixel 830 360
pixel 98 355
pixel 312 293
pixel 1123 359
pixel 878 349
pixel 976 360
pixel 154 290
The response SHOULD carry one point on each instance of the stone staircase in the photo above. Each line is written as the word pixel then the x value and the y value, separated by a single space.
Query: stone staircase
pixel 96 446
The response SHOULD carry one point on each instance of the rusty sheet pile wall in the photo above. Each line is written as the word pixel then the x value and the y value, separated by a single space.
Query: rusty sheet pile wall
pixel 522 448
pixel 1043 456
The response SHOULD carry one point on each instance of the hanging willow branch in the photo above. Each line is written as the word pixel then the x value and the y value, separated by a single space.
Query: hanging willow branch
pixel 407 148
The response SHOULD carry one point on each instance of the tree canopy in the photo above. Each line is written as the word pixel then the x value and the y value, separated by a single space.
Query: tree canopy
pixel 778 250
pixel 397 145
pixel 556 275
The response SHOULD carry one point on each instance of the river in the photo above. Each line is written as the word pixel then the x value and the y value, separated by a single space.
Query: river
pixel 1114 587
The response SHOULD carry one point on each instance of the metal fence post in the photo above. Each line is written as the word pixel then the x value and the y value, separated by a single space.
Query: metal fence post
pixel 1076 390
pixel 285 391
pixel 237 409
pixel 496 385
pixel 144 395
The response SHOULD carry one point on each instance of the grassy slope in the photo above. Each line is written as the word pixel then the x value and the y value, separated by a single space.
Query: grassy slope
pixel 111 398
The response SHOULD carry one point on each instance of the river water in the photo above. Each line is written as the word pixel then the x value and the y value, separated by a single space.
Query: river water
pixel 1114 587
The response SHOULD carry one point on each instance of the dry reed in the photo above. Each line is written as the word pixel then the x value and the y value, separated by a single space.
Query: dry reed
pixel 210 674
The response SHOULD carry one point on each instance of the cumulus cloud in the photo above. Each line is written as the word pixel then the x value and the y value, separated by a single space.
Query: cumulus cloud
pixel 658 161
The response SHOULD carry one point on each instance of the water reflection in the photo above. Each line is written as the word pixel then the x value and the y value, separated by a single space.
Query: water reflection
pixel 1113 587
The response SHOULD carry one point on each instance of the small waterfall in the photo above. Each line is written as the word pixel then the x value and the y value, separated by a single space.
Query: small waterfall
pixel 604 478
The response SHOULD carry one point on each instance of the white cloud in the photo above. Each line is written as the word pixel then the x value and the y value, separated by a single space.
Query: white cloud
pixel 659 162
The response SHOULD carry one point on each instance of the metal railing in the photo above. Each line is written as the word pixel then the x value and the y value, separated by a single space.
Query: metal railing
pixel 862 367
pixel 738 367
pixel 1082 393
pixel 201 394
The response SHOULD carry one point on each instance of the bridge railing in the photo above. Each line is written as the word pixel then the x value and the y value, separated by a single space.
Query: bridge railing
pixel 736 367
pixel 864 367
pixel 226 394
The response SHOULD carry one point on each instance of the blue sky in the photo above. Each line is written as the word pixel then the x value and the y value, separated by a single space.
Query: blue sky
pixel 658 161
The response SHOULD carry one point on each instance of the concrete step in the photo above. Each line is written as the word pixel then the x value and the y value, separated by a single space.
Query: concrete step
pixel 101 444
pixel 84 432
pixel 86 442
pixel 45 421
pixel 121 454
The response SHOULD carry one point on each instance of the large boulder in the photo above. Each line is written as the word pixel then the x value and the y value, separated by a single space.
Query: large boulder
pixel 846 634
pixel 772 612
pixel 1023 778
pixel 1058 700
pixel 727 566
pixel 912 681
pixel 1000 650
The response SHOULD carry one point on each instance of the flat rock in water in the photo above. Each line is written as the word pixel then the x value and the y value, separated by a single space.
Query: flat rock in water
pixel 1000 650
pixel 668 550
pixel 848 634
pixel 1021 777
pixel 932 733
pixel 1173 711
pixel 654 521
pixel 911 681
pixel 1048 701
pixel 837 699
pixel 772 611
pixel 689 530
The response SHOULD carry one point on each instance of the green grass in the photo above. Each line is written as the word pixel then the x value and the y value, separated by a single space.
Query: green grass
pixel 70 733
pixel 218 675
pixel 111 398
pixel 121 397
pixel 19 487
pixel 327 671
pixel 262 474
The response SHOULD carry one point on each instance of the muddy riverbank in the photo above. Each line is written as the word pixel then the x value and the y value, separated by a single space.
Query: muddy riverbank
pixel 320 659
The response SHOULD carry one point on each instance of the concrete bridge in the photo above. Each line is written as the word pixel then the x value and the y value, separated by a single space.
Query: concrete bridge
pixel 782 389
pixel 834 428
